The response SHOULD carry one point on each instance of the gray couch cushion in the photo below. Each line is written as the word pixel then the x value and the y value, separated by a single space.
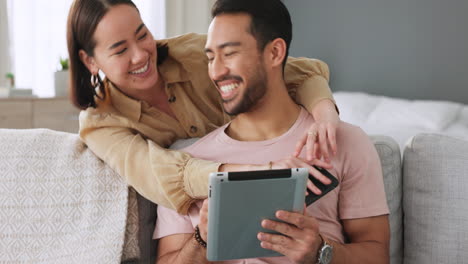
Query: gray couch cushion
pixel 390 158
pixel 147 212
pixel 435 200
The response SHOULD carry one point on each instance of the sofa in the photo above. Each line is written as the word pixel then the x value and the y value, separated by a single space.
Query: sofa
pixel 60 204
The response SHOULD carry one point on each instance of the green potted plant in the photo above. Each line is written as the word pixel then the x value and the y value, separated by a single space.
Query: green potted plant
pixel 10 83
pixel 64 63
pixel 61 79
pixel 10 80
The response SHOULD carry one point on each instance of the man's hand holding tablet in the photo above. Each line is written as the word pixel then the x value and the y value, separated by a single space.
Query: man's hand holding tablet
pixel 247 206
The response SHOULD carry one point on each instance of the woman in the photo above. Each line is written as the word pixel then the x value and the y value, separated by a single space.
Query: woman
pixel 154 94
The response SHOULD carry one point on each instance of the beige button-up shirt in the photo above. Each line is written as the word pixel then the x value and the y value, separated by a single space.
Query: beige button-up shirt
pixel 132 137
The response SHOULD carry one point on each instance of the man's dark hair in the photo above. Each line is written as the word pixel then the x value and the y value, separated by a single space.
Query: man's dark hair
pixel 270 19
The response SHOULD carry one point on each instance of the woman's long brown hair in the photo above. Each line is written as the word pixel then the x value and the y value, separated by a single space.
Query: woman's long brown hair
pixel 83 18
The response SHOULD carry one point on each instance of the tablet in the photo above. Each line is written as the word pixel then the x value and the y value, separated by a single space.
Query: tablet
pixel 239 201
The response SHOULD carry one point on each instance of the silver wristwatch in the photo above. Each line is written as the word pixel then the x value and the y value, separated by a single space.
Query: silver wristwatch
pixel 325 253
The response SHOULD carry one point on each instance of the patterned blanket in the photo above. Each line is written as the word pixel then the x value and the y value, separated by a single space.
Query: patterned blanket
pixel 60 204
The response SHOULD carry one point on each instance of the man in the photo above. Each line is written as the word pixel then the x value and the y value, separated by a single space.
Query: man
pixel 248 41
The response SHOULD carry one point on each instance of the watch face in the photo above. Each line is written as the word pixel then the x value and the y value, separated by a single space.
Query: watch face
pixel 327 254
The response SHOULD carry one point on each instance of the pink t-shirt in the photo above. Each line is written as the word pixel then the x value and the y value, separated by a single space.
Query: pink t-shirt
pixel 360 192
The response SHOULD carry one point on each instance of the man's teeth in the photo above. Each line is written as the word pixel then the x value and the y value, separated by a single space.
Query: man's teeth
pixel 229 87
pixel 141 70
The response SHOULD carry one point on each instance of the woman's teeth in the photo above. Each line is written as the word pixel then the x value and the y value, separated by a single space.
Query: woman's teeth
pixel 229 87
pixel 141 70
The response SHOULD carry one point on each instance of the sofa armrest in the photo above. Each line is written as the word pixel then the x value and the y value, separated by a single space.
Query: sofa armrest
pixel 390 159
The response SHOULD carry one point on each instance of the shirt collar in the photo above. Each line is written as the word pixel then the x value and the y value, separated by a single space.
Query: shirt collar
pixel 124 104
pixel 173 71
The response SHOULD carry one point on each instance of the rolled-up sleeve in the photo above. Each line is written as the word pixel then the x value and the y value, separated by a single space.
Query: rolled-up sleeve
pixel 307 81
pixel 167 177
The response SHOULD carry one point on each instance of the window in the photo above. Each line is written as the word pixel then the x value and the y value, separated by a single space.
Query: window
pixel 38 38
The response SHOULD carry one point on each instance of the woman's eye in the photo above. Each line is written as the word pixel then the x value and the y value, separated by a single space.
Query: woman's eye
pixel 122 51
pixel 229 54
pixel 143 36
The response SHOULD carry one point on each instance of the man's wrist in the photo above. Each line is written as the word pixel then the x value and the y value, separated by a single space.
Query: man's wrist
pixel 320 245
pixel 325 251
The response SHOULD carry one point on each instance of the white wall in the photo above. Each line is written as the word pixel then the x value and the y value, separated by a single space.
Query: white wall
pixel 184 16
pixel 4 43
pixel 153 14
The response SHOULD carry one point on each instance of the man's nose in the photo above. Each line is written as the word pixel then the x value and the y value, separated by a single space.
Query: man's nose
pixel 218 69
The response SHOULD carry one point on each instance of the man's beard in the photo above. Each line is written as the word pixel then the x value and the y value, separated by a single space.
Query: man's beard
pixel 252 94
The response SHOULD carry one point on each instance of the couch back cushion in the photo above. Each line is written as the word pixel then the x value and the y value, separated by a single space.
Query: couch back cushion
pixel 435 201
pixel 390 158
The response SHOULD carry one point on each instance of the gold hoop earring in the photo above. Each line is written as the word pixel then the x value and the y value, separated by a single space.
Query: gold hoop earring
pixel 94 80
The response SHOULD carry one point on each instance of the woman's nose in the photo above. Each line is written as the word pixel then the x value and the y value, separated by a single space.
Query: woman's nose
pixel 139 55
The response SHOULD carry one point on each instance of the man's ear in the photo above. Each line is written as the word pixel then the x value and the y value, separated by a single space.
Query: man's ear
pixel 89 62
pixel 276 52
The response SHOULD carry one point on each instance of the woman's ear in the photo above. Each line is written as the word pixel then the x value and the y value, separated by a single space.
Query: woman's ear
pixel 276 52
pixel 89 62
